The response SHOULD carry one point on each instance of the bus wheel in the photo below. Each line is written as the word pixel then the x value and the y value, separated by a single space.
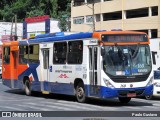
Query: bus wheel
pixel 148 97
pixel 80 93
pixel 27 87
pixel 124 99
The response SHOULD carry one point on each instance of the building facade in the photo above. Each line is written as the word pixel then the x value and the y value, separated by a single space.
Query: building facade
pixel 138 15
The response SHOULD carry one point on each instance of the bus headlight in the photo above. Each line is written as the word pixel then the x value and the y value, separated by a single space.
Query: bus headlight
pixel 156 84
pixel 108 84
pixel 150 81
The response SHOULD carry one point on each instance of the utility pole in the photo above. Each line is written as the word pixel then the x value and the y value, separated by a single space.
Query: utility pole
pixel 15 25
pixel 15 36
pixel 92 8
pixel 11 29
pixel 93 16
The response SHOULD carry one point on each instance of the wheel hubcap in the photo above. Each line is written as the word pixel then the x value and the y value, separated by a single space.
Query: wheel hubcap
pixel 80 92
pixel 148 97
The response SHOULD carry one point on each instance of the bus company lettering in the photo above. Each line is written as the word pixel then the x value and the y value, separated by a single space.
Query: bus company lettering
pixel 63 71
pixel 67 67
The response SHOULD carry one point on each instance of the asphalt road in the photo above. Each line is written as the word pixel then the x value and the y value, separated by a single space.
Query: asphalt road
pixel 16 100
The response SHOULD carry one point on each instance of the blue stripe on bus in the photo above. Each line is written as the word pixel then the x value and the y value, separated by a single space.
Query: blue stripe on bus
pixel 30 70
pixel 68 89
pixel 58 38
pixel 8 83
pixel 23 42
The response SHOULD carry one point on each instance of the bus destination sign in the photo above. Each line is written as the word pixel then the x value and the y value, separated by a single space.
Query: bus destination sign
pixel 124 38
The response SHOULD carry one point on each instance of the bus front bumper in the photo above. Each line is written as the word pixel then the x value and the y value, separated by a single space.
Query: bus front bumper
pixel 126 92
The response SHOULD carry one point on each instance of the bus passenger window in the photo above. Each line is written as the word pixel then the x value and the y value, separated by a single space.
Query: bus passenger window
pixel 23 54
pixel 34 54
pixel 75 52
pixel 59 53
pixel 6 54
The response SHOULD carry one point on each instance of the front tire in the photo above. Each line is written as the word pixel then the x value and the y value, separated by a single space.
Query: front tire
pixel 124 99
pixel 27 88
pixel 80 93
pixel 148 97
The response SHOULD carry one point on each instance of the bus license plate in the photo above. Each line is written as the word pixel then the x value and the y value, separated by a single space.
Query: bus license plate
pixel 131 95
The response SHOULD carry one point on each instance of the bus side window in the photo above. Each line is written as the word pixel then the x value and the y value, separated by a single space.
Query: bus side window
pixel 34 54
pixel 59 53
pixel 23 54
pixel 75 52
pixel 6 54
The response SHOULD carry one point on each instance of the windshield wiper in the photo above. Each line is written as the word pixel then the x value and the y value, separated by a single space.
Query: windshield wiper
pixel 135 51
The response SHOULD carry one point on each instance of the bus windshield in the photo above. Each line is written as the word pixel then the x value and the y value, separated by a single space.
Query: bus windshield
pixel 127 60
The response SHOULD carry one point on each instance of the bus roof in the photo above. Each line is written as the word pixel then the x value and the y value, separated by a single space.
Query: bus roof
pixel 53 37
pixel 69 36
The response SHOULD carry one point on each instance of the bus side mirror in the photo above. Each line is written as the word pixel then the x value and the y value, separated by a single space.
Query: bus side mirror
pixel 102 51
pixel 154 57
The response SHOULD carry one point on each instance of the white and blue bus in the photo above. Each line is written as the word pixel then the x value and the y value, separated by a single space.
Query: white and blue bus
pixel 155 51
pixel 100 65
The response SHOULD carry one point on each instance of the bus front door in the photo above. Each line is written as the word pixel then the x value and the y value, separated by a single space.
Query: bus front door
pixel 45 87
pixel 93 74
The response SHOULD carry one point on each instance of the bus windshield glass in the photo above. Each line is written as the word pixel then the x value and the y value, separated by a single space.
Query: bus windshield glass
pixel 127 60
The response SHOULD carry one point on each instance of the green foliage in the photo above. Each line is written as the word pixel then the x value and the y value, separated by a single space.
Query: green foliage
pixel 64 14
pixel 58 9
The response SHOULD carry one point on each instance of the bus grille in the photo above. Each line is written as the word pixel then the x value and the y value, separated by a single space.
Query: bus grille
pixel 125 79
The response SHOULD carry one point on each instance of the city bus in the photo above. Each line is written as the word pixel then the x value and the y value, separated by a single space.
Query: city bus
pixel 155 51
pixel 102 65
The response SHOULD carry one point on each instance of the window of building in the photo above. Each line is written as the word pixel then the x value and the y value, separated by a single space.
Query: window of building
pixel 112 16
pixel 78 2
pixel 154 33
pixel 6 55
pixel 34 54
pixel 78 20
pixel 143 12
pixel 146 31
pixel 89 18
pixel 75 52
pixel 98 17
pixel 93 1
pixel 59 53
pixel 23 54
pixel 107 0
pixel 154 11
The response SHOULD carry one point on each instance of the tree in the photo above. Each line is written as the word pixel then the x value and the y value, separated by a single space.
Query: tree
pixel 13 7
pixel 64 14
pixel 58 9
